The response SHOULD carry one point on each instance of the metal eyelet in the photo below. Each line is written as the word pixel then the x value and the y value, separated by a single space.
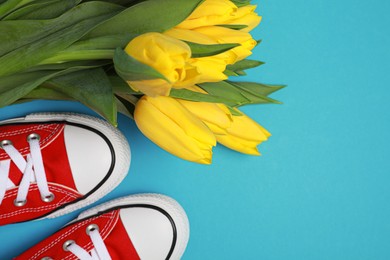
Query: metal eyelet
pixel 33 136
pixel 48 198
pixel 5 143
pixel 46 258
pixel 91 228
pixel 20 203
pixel 67 244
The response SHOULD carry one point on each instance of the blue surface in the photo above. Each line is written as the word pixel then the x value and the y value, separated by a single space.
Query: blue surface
pixel 321 189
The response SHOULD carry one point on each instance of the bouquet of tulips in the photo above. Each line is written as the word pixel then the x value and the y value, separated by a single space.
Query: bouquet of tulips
pixel 164 63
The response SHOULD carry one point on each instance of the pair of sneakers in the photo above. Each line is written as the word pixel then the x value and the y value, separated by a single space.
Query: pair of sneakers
pixel 54 164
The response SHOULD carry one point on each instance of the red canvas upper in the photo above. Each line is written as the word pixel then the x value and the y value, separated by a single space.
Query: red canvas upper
pixel 57 168
pixel 115 237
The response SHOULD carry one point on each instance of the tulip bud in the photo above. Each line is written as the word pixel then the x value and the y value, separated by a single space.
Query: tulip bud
pixel 246 16
pixel 168 56
pixel 172 127
pixel 244 135
pixel 223 35
pixel 210 12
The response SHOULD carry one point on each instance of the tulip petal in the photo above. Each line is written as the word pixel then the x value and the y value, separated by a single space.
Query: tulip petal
pixel 244 135
pixel 245 128
pixel 238 144
pixel 189 36
pixel 210 69
pixel 224 35
pixel 210 12
pixel 246 16
pixel 153 87
pixel 181 116
pixel 210 113
pixel 167 131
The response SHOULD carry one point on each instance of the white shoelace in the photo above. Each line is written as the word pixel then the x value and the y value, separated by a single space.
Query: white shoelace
pixel 32 169
pixel 99 252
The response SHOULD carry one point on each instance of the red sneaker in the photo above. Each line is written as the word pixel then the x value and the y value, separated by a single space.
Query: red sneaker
pixel 144 226
pixel 53 164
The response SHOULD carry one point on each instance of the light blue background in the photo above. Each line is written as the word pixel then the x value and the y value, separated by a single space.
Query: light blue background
pixel 321 188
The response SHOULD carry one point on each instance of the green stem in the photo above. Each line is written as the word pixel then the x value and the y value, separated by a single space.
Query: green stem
pixel 79 56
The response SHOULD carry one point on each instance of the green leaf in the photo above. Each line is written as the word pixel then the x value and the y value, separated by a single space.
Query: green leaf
pixel 83 55
pixel 226 90
pixel 66 65
pixel 124 3
pixel 130 69
pixel 148 16
pixel 234 26
pixel 198 97
pixel 241 73
pixel 257 88
pixel 46 93
pixel 206 50
pixel 229 93
pixel 100 48
pixel 90 87
pixel 16 86
pixel 240 66
pixel 120 86
pixel 234 112
pixel 103 42
pixel 230 73
pixel 255 95
pixel 41 10
pixel 241 3
pixel 240 96
pixel 8 6
pixel 31 54
pixel 18 33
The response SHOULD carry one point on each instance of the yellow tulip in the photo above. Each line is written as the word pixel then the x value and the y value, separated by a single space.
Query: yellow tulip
pixel 210 69
pixel 168 56
pixel 210 12
pixel 218 35
pixel 172 58
pixel 203 27
pixel 215 117
pixel 222 12
pixel 244 135
pixel 246 15
pixel 172 127
pixel 224 35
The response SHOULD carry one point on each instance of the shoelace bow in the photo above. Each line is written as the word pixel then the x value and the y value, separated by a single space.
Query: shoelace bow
pixel 32 169
pixel 99 252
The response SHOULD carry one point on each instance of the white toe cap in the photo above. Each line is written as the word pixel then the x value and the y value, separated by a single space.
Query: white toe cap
pixel 89 157
pixel 150 231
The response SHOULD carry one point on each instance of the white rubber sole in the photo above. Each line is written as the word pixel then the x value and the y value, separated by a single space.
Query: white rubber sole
pixel 168 204
pixel 118 141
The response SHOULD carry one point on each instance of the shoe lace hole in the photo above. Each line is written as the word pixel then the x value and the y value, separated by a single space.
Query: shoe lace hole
pixel 5 143
pixel 67 244
pixel 48 198
pixel 91 228
pixel 33 136
pixel 20 203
